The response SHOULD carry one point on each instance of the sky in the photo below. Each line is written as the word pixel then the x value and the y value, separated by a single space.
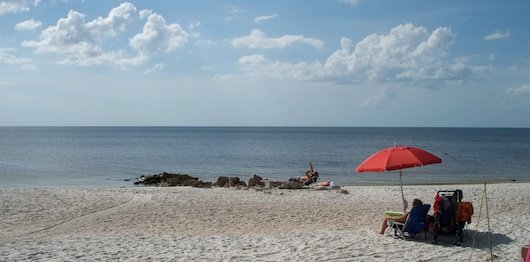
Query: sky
pixel 417 63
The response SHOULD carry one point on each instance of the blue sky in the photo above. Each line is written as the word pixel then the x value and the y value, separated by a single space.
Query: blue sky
pixel 265 63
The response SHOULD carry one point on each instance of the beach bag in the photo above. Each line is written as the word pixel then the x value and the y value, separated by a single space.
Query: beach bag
pixel 464 211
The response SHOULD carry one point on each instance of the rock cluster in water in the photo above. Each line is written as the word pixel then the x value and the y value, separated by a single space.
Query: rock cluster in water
pixel 171 180
pixel 168 180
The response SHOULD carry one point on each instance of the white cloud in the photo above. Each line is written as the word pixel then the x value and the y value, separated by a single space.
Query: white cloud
pixel 498 35
pixel 28 25
pixel 16 6
pixel 258 39
pixel 407 53
pixel 351 2
pixel 252 59
pixel 145 13
pixel 7 57
pixel 191 29
pixel 114 23
pixel 258 65
pixel 195 24
pixel 519 91
pixel 260 19
pixel 156 68
pixel 158 36
pixel 80 42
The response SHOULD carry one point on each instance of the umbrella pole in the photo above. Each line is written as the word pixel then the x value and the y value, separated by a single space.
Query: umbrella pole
pixel 402 194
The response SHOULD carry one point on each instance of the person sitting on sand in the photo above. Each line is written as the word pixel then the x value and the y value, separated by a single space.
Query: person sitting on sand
pixel 401 219
pixel 308 175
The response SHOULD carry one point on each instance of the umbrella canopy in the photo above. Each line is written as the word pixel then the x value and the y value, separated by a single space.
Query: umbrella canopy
pixel 398 158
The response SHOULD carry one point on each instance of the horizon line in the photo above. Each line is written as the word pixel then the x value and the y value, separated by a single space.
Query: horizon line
pixel 264 126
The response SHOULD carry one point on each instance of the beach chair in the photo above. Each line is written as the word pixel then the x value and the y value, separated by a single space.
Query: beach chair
pixel 417 222
pixel 451 215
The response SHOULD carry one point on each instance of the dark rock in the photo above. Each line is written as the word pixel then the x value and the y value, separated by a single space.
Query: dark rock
pixel 178 179
pixel 189 182
pixel 255 180
pixel 151 180
pixel 232 181
pixel 276 183
pixel 283 186
pixel 270 184
pixel 236 181
pixel 222 181
pixel 291 185
pixel 166 179
pixel 201 184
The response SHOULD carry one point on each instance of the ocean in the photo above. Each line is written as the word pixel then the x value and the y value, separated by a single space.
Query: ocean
pixel 115 156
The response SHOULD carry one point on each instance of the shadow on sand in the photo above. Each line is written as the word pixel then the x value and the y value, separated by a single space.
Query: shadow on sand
pixel 472 238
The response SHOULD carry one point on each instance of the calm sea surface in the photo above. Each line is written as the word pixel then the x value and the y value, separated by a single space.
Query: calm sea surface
pixel 106 156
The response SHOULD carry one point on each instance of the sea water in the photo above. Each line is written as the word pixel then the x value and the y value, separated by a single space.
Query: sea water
pixel 115 156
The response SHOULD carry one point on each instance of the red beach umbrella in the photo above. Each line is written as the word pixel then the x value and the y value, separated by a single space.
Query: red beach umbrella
pixel 398 158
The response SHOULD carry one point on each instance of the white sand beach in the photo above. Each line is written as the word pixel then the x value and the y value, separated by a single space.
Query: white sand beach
pixel 221 224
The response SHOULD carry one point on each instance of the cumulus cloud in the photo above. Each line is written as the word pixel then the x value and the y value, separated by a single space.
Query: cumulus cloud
pixel 78 41
pixel 258 39
pixel 158 36
pixel 114 23
pixel 260 19
pixel 498 35
pixel 16 6
pixel 28 25
pixel 7 57
pixel 145 13
pixel 407 53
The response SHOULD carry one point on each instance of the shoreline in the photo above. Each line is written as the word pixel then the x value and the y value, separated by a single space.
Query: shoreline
pixel 131 185
pixel 184 223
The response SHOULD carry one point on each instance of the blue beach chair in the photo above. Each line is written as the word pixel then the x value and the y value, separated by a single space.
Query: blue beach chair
pixel 417 221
